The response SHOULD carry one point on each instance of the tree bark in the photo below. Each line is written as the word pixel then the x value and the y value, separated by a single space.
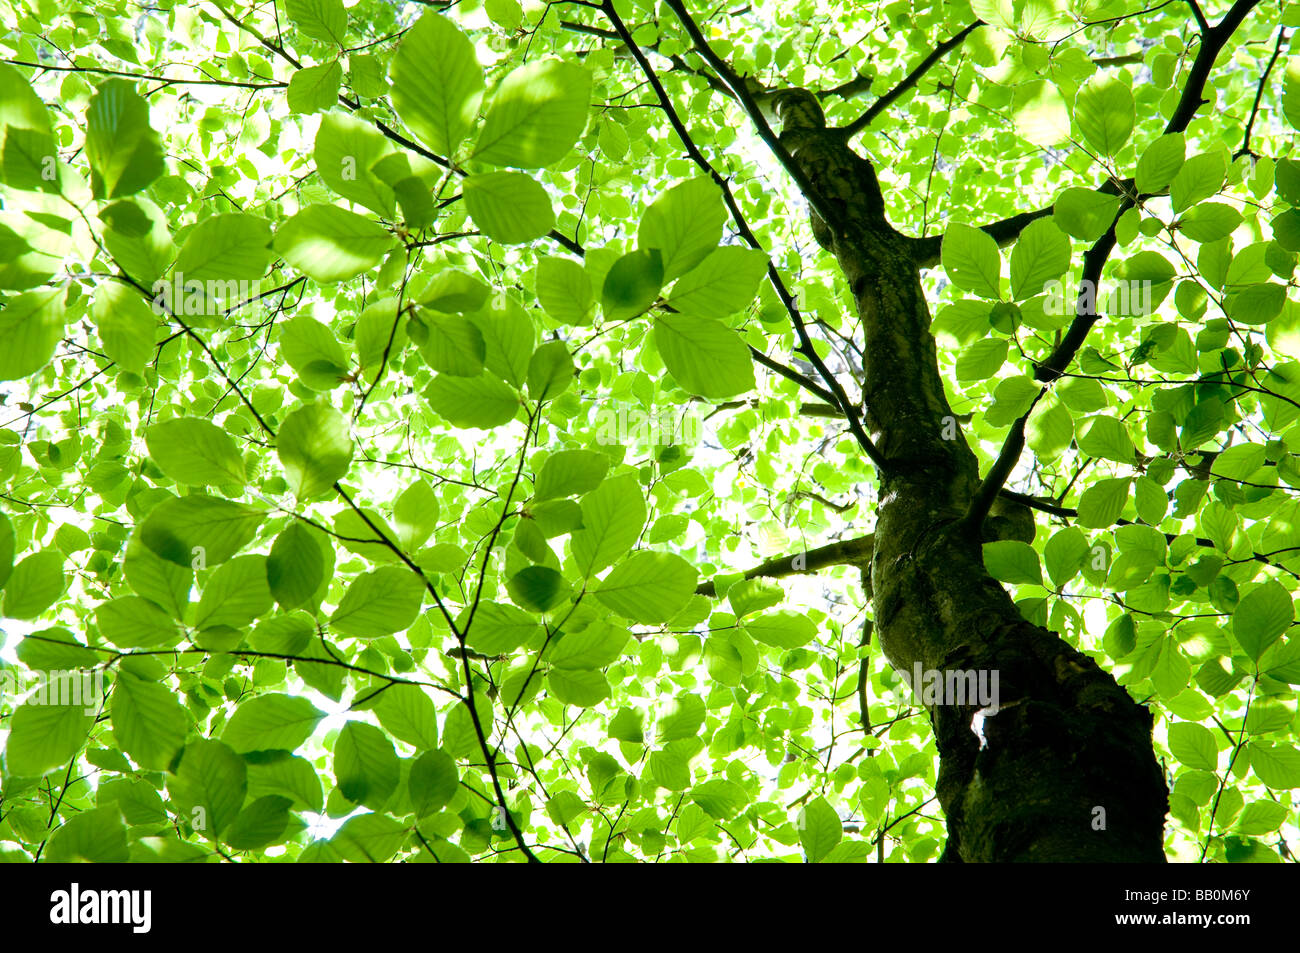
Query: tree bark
pixel 1066 770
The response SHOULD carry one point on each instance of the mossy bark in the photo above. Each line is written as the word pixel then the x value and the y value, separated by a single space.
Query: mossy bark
pixel 1066 770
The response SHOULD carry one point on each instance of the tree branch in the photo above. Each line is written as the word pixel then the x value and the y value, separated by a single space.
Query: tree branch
pixel 1094 260
pixel 742 94
pixel 996 478
pixel 1259 95
pixel 791 374
pixel 909 81
pixel 834 392
pixel 844 552
pixel 925 251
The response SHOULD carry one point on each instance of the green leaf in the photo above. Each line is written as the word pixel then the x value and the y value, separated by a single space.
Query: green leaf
pixel 149 723
pixel 35 584
pixel 191 450
pixel 754 595
pixel 124 153
pixel 820 829
pixel 30 161
pixel 705 356
pixel 44 736
pixel 369 839
pixel 681 718
pixel 613 515
pixel 6 549
pixel 1287 179
pixel 271 722
pixel 783 629
pixel 723 283
pixel 498 628
pixel 365 764
pixel 481 402
pixel 454 345
pixel 632 284
pixel 508 207
pixel 346 152
pixel 434 781
pixel 379 603
pixel 55 650
pixel 1209 221
pixel 1041 256
pixel 380 337
pixel 1012 561
pixel 1262 616
pixel 550 371
pixel 288 775
pixel 626 725
pixel 327 243
pixel 314 88
pixel 1102 503
pixel 564 290
pixel 539 588
pixel 137 236
pixel 720 798
pixel 570 472
pixel 95 836
pixel 583 688
pixel 156 579
pixel 670 767
pixel 324 20
pixel 138 801
pixel 1107 438
pixel 1064 555
pixel 415 515
pixel 437 82
pixel 537 115
pixel 684 225
pixel 1200 177
pixel 407 713
pixel 1277 765
pixel 20 107
pixel 1105 112
pixel 508 335
pixel 596 646
pixel 1261 817
pixel 31 326
pixel 236 594
pixel 1240 462
pixel 1084 214
pixel 260 824
pixel 295 567
pixel 1193 745
pixel 232 247
pixel 312 350
pixel 971 259
pixel 131 622
pixel 209 786
pixel 649 587
pixel 1257 304
pixel 315 450
pixel 125 326
pixel 1120 638
pixel 982 359
pixel 1160 162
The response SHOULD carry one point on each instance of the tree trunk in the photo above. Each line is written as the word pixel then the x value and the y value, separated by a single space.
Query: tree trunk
pixel 1066 770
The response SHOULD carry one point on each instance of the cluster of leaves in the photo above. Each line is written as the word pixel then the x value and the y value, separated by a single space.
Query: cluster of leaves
pixel 330 330
pixel 1181 412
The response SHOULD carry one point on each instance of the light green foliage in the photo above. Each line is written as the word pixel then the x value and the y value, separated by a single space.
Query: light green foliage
pixel 463 407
